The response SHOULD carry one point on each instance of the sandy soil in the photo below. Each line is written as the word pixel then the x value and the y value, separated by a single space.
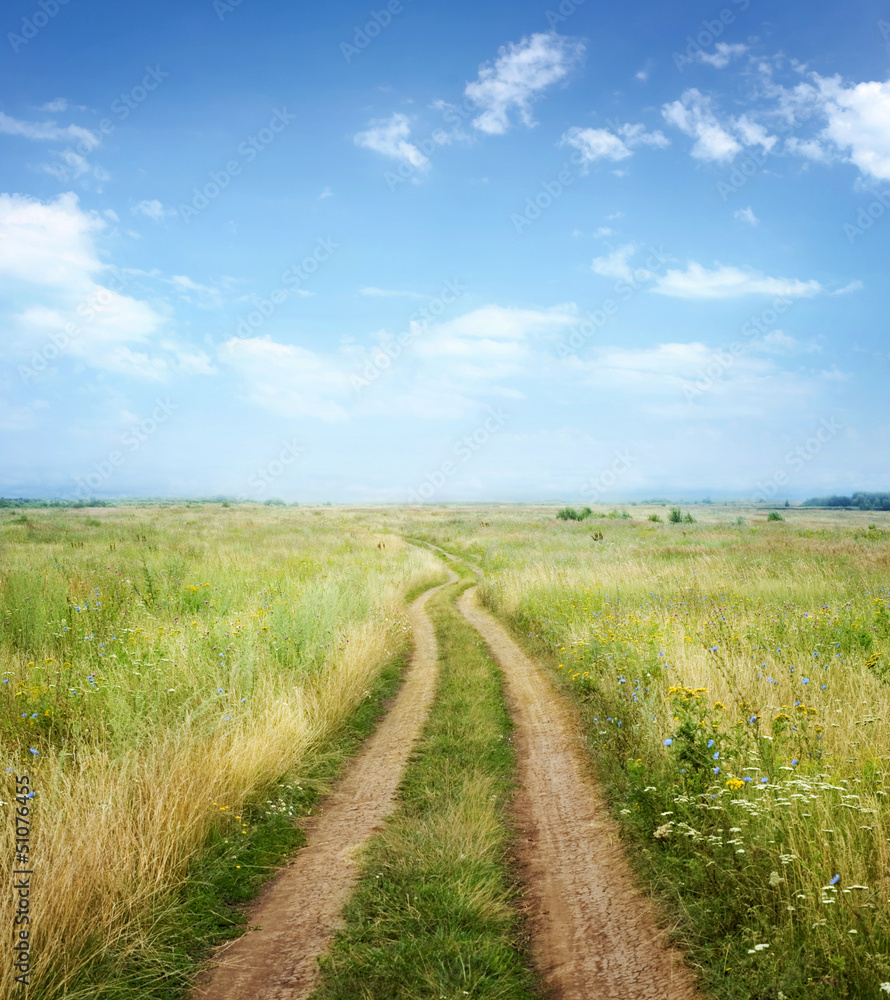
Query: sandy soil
pixel 297 913
pixel 594 936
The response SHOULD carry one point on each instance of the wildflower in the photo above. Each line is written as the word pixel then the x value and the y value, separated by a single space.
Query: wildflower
pixel 834 880
pixel 668 742
pixel 716 755
pixel 805 680
pixel 763 781
pixel 716 770
pixel 33 751
pixel 710 744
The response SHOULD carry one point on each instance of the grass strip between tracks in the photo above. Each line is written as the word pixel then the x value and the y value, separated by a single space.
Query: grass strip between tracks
pixel 433 914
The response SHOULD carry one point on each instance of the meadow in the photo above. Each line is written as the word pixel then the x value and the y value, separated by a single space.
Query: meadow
pixel 166 670
pixel 162 672
pixel 732 675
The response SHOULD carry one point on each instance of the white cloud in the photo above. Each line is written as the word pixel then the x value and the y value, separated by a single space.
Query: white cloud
pixel 859 123
pixel 521 72
pixel 853 286
pixel 595 144
pixel 693 115
pixel 600 143
pixel 722 54
pixel 746 215
pixel 51 268
pixel 753 133
pixel 616 264
pixel 389 137
pixel 810 149
pixel 288 380
pixel 151 209
pixel 46 131
pixel 326 193
pixel 603 231
pixel 697 282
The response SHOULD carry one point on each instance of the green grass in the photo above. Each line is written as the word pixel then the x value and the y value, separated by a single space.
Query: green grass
pixel 433 915
pixel 231 868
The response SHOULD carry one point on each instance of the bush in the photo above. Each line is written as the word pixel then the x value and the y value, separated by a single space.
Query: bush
pixel 675 517
pixel 570 514
pixel 774 515
pixel 655 517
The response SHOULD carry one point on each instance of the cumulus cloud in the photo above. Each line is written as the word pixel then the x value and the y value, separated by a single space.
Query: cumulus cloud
pixel 389 137
pixel 521 72
pixel 722 282
pixel 603 144
pixel 693 114
pixel 859 123
pixel 57 286
pixel 616 264
pixel 151 209
pixel 746 215
pixel 722 55
pixel 288 380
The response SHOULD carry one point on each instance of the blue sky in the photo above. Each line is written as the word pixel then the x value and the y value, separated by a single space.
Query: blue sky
pixel 434 252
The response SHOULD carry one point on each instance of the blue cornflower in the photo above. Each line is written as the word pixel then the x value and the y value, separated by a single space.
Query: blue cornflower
pixel 668 742
pixel 794 762
pixel 219 690
pixel 746 780
pixel 33 751
pixel 716 755
pixel 834 880
pixel 805 680
pixel 815 654
pixel 753 719
pixel 763 781
pixel 716 770
pixel 710 744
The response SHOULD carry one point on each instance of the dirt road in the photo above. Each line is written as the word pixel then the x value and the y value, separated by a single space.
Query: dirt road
pixel 299 911
pixel 594 936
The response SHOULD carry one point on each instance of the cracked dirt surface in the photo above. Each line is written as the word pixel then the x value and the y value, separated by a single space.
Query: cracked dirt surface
pixel 298 912
pixel 594 935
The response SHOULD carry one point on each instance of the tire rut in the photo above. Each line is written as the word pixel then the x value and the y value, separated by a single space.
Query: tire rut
pixel 296 915
pixel 594 936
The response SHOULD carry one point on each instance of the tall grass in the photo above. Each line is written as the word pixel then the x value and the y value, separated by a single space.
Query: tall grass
pixel 168 666
pixel 734 683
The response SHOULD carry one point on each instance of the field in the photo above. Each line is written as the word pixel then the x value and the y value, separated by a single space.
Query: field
pixel 167 671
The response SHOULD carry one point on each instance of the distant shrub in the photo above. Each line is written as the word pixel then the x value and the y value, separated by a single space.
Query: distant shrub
pixel 655 517
pixel 688 519
pixel 675 517
pixel 570 514
pixel 774 515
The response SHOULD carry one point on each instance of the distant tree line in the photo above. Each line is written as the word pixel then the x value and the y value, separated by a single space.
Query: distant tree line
pixel 7 502
pixel 859 501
